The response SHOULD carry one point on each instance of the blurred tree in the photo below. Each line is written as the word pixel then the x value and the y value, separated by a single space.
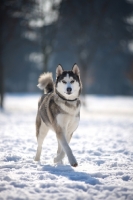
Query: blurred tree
pixel 38 35
pixel 1 65
pixel 28 30
pixel 7 8
pixel 99 33
pixel 130 73
pixel 49 17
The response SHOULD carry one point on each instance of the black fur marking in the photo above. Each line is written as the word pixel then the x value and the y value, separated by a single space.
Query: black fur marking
pixel 64 74
pixel 61 96
pixel 43 110
pixel 49 88
pixel 54 110
pixel 48 110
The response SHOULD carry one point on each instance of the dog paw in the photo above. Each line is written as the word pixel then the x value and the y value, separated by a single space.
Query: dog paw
pixel 59 157
pixel 74 165
pixel 36 159
pixel 58 162
pixel 73 162
pixel 55 160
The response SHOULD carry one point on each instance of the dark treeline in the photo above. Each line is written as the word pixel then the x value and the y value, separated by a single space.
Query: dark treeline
pixel 36 36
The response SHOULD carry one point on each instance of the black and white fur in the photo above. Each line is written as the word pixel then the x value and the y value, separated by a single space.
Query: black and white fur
pixel 59 110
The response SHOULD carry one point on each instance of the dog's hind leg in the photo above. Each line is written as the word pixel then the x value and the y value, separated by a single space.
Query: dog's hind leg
pixel 43 130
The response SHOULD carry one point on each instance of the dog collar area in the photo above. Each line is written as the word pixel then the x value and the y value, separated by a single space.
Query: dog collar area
pixel 64 98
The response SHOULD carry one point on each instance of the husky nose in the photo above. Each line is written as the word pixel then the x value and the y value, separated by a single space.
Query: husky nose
pixel 69 89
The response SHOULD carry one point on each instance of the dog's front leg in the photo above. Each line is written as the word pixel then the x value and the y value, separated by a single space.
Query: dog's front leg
pixel 63 142
pixel 60 152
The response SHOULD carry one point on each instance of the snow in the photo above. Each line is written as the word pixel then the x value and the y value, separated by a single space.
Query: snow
pixel 102 145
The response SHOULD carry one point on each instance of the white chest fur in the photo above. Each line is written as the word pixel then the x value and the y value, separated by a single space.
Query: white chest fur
pixel 67 122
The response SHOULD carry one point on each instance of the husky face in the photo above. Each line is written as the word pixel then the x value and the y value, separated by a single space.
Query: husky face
pixel 68 83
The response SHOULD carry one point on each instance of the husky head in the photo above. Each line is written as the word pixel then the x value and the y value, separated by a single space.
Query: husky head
pixel 68 83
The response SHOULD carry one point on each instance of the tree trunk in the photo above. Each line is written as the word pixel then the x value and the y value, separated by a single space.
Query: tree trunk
pixel 1 66
pixel 1 85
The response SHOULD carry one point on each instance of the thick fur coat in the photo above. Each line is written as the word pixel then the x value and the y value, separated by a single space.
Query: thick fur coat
pixel 59 110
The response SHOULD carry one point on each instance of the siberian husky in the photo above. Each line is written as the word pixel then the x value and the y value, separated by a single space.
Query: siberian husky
pixel 59 110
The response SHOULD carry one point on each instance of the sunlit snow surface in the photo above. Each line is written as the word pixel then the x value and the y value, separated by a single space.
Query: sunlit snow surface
pixel 102 144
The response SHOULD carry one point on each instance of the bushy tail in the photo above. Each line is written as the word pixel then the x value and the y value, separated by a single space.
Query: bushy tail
pixel 46 82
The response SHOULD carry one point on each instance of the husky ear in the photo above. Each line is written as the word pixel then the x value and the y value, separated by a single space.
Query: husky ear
pixel 59 70
pixel 76 70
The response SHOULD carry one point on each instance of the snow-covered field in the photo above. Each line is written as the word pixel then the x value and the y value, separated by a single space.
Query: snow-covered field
pixel 102 144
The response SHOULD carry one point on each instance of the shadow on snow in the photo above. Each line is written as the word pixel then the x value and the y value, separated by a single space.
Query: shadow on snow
pixel 68 172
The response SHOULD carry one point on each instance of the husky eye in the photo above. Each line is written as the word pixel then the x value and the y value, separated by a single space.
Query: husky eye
pixel 64 82
pixel 72 81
